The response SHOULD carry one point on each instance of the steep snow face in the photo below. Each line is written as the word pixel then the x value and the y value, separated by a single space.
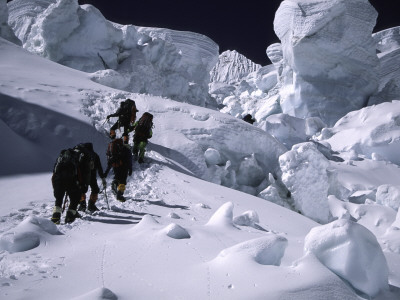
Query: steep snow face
pixel 232 67
pixel 388 47
pixel 329 56
pixel 155 61
pixel 61 112
pixel 5 30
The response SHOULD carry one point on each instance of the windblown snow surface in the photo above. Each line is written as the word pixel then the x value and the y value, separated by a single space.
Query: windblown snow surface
pixel 199 221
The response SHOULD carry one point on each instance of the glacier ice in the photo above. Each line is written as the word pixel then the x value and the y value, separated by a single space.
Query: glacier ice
pixel 388 195
pixel 330 61
pixel 161 62
pixel 388 48
pixel 304 172
pixel 5 30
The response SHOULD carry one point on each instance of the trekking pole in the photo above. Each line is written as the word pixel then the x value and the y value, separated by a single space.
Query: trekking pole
pixel 106 120
pixel 105 195
pixel 65 202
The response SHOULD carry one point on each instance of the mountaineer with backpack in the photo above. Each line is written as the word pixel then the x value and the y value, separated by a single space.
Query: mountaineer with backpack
pixel 71 175
pixel 95 168
pixel 126 114
pixel 119 157
pixel 143 131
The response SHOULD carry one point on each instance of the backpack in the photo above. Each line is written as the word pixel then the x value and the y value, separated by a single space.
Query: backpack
pixel 66 166
pixel 128 110
pixel 114 152
pixel 85 162
pixel 144 125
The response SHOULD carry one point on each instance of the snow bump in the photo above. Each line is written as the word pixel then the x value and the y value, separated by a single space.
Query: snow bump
pixel 28 235
pixel 267 250
pixel 351 251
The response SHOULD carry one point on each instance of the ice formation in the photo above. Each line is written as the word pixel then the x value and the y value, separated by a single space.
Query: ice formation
pixel 232 67
pixel 388 48
pixel 5 30
pixel 388 195
pixel 329 57
pixel 290 130
pixel 161 62
pixel 242 87
pixel 305 173
pixel 372 131
pixel 350 251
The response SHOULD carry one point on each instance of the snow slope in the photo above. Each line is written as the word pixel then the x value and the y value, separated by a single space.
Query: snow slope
pixel 179 236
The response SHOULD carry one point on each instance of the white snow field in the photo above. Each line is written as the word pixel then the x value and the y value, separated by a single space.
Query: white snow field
pixel 220 209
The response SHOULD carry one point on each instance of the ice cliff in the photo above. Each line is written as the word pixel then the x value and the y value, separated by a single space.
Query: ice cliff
pixel 388 49
pixel 329 57
pixel 5 31
pixel 160 62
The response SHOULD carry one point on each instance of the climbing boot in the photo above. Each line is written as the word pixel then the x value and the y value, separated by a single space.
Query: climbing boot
pixel 71 216
pixel 82 203
pixel 56 215
pixel 120 196
pixel 92 207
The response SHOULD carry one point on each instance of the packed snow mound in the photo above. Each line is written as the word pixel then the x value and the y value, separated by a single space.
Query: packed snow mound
pixel 388 48
pixel 29 234
pixel 350 251
pixel 329 56
pixel 5 30
pixel 248 218
pixel 373 131
pixel 176 231
pixel 223 216
pixel 267 250
pixel 160 62
pixel 98 294
pixel 232 67
pixel 306 175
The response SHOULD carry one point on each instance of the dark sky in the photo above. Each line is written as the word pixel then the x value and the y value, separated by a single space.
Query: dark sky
pixel 244 26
